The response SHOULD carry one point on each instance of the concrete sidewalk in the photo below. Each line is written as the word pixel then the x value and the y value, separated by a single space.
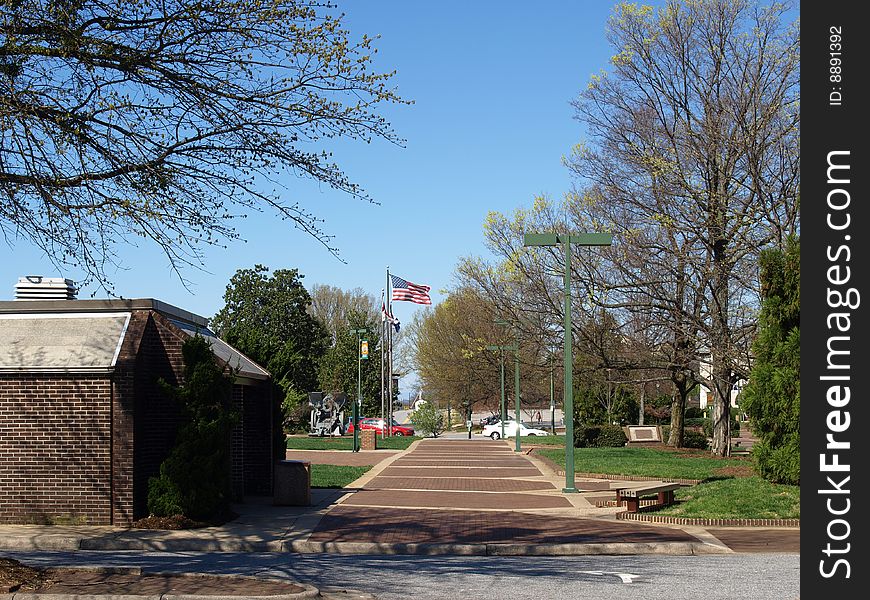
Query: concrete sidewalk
pixel 465 497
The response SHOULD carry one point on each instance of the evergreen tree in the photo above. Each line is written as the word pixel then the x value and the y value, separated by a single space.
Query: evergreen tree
pixel 266 317
pixel 194 479
pixel 772 398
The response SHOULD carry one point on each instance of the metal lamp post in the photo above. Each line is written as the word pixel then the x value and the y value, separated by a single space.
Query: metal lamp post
pixel 358 404
pixel 516 349
pixel 502 413
pixel 565 240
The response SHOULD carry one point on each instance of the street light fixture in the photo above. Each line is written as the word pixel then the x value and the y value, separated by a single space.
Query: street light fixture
pixel 358 404
pixel 516 349
pixel 581 239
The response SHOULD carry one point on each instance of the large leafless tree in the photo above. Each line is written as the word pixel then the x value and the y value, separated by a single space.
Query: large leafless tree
pixel 693 153
pixel 168 119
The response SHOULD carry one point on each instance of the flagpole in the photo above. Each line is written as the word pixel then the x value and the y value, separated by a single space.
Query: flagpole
pixel 383 324
pixel 391 369
pixel 389 307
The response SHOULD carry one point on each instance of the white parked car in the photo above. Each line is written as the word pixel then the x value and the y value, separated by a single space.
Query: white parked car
pixel 510 430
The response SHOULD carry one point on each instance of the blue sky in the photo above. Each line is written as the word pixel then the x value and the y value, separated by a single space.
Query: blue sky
pixel 491 81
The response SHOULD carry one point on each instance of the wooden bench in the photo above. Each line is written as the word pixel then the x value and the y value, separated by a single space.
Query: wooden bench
pixel 631 493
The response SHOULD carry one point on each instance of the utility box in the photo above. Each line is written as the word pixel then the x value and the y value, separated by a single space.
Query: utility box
pixel 292 483
pixel 368 439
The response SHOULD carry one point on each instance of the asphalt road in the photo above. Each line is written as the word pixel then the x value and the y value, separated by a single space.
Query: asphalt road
pixel 717 577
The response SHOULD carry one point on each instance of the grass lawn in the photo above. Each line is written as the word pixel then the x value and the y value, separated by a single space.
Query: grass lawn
pixel 334 476
pixel 545 440
pixel 345 442
pixel 650 462
pixel 737 498
pixel 732 491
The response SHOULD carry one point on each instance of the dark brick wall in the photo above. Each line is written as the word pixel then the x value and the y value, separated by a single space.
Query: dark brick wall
pixel 55 453
pixel 258 461
pixel 237 445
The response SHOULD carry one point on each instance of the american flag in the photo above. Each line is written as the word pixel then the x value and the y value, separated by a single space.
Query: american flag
pixel 410 292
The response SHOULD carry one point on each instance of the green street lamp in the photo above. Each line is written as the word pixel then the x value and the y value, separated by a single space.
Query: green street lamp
pixel 581 239
pixel 502 413
pixel 358 404
pixel 516 349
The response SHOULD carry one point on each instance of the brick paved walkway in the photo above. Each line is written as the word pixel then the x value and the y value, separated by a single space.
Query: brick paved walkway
pixel 398 526
pixel 464 484
pixel 460 492
pixel 441 499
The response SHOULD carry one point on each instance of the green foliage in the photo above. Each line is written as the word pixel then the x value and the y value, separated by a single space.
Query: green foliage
pixel 600 402
pixel 694 412
pixel 266 317
pixel 695 439
pixel 194 480
pixel 599 436
pixel 772 397
pixel 428 420
pixel 780 463
pixel 339 368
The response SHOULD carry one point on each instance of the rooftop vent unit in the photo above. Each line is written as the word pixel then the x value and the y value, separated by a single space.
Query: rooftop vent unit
pixel 37 287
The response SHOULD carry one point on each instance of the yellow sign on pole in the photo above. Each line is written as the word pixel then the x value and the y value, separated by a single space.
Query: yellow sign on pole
pixel 364 349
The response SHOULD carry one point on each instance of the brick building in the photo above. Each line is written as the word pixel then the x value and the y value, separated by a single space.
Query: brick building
pixel 83 421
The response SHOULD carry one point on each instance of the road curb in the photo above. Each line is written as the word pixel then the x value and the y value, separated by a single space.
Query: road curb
pixel 614 548
pixel 308 591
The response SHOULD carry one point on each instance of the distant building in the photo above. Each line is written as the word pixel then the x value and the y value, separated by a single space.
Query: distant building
pixel 705 370
pixel 83 421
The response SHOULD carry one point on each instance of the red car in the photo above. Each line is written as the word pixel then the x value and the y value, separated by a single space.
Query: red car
pixel 378 425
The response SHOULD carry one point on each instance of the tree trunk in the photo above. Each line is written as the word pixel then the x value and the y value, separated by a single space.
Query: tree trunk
pixel 721 445
pixel 678 407
pixel 719 331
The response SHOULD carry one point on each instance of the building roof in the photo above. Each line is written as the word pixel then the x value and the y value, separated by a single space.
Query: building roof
pixel 61 341
pixel 86 335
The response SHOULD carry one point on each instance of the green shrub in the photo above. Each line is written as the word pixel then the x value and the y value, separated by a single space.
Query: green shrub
pixel 694 439
pixel 694 412
pixel 599 436
pixel 778 463
pixel 194 480
pixel 691 438
pixel 428 420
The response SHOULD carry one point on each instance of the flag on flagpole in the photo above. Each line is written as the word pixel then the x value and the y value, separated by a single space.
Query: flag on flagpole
pixel 410 292
pixel 388 316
